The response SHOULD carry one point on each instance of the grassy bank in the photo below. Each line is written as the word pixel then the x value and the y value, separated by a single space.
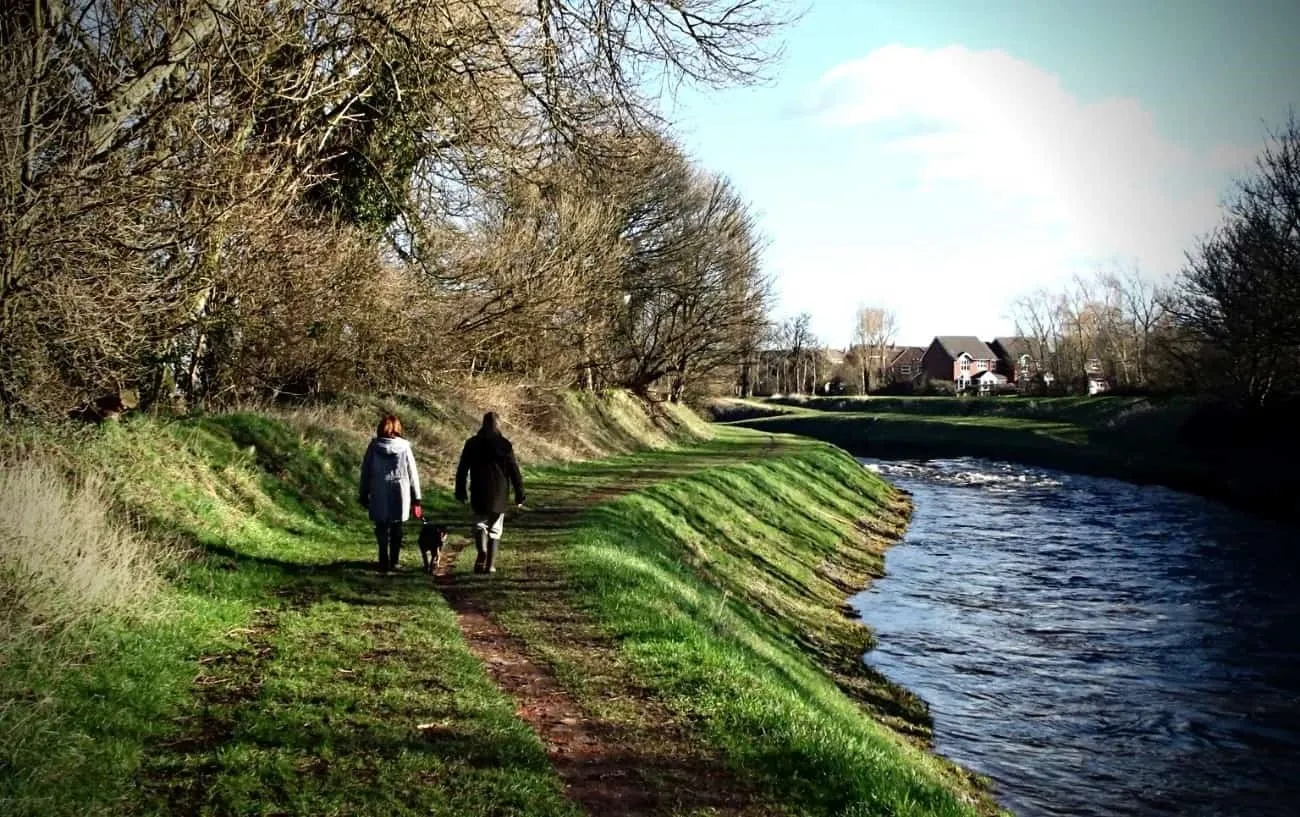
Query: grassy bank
pixel 265 590
pixel 1097 412
pixel 1171 442
pixel 724 590
pixel 686 590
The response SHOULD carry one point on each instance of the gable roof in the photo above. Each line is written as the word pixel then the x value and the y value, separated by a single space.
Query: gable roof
pixel 955 345
pixel 1012 348
pixel 907 355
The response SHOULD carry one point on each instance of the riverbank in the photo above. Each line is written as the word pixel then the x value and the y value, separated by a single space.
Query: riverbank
pixel 1172 442
pixel 666 632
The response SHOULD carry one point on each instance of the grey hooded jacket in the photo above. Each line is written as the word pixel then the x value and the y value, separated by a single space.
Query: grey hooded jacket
pixel 390 481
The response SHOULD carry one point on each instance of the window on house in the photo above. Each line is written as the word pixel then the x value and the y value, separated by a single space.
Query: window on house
pixel 965 364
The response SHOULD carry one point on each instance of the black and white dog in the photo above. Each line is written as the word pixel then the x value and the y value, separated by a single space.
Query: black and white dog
pixel 432 538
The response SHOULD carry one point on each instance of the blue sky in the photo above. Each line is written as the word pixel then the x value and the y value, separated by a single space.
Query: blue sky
pixel 942 158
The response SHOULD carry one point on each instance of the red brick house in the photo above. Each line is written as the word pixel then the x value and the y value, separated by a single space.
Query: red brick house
pixel 1017 360
pixel 957 359
pixel 904 365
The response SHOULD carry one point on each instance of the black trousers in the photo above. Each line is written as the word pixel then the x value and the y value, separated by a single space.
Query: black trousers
pixel 389 538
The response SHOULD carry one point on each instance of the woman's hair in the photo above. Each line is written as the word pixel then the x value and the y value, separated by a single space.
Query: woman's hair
pixel 390 426
pixel 490 422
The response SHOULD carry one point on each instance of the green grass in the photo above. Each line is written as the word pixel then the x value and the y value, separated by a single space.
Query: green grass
pixel 717 584
pixel 919 435
pixel 1093 411
pixel 264 504
pixel 277 674
pixel 1137 439
pixel 723 591
pixel 367 701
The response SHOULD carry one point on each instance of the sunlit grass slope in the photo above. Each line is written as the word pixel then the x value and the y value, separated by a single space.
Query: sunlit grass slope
pixel 725 591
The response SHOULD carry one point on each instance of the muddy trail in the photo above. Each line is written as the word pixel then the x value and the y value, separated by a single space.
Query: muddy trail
pixel 640 762
pixel 644 765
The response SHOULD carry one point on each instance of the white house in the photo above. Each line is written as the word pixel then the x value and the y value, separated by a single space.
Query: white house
pixel 989 381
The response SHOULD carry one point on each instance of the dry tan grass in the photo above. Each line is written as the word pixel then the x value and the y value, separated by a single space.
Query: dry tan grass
pixel 63 558
pixel 554 425
pixel 546 425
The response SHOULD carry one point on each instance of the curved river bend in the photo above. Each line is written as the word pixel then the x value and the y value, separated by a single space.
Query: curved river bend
pixel 1096 647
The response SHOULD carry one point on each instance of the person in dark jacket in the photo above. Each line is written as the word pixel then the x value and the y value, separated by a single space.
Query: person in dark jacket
pixel 390 488
pixel 488 461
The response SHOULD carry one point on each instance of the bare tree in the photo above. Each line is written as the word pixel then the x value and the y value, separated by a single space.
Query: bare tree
pixel 775 356
pixel 1038 318
pixel 800 338
pixel 1240 290
pixel 1134 310
pixel 1106 324
pixel 693 293
pixel 874 332
pixel 156 157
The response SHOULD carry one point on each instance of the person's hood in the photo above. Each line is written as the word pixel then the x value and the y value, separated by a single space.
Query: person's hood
pixel 392 446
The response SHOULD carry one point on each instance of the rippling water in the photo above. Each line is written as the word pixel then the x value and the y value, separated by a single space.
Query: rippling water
pixel 1096 647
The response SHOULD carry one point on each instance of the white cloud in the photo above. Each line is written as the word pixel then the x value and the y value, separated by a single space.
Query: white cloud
pixel 1100 172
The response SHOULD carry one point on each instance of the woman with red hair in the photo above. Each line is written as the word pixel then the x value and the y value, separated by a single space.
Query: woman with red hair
pixel 390 488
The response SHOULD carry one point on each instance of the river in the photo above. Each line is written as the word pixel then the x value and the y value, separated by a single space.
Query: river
pixel 1096 647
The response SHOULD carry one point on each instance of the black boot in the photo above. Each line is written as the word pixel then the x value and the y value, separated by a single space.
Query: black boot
pixel 395 546
pixel 488 566
pixel 480 548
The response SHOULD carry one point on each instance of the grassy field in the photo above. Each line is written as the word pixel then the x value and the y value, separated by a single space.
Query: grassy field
pixel 1152 420
pixel 685 590
pixel 1160 441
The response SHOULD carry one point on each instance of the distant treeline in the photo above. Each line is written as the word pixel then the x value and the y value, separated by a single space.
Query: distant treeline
pixel 206 202
pixel 1227 326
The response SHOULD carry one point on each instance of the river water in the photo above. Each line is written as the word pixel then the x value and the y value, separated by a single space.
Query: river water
pixel 1096 647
